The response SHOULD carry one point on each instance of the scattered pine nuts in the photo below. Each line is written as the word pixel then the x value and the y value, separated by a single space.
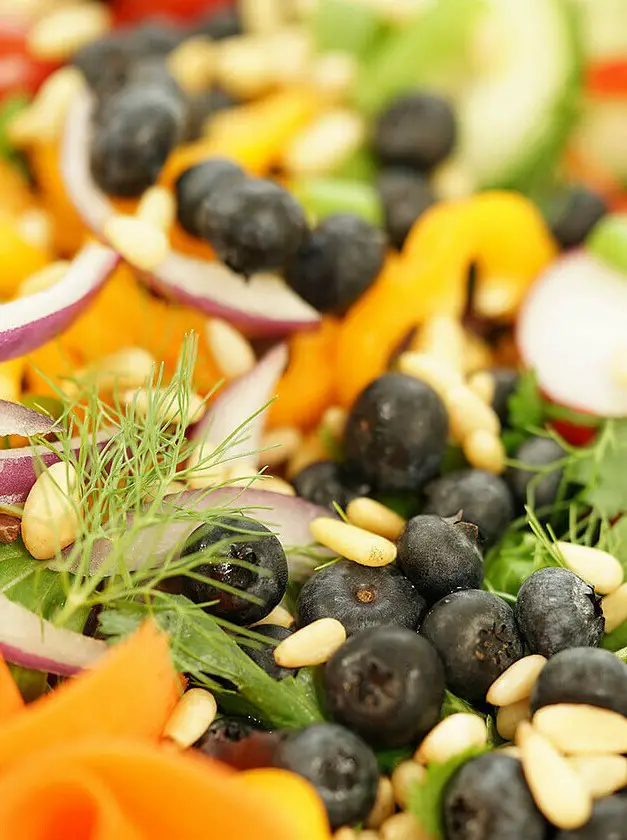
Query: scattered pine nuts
pixel 129 368
pixel 244 66
pixel 140 243
pixel 333 74
pixel 517 682
pixel 314 644
pixel 312 450
pixel 261 16
pixel 36 227
pixel 50 518
pixel 442 337
pixel 485 451
pixel 169 409
pixel 193 64
pixel 62 32
pixel 508 718
pixel 279 444
pixel 405 777
pixel 274 484
pixel 324 144
pixel 557 788
pixel 483 385
pixel 374 517
pixel 44 279
pixel 497 300
pixel 348 833
pixel 579 729
pixel 334 421
pixel 384 805
pixel 353 543
pixel 602 774
pixel 468 413
pixel 192 716
pixel 157 206
pixel 232 352
pixel 45 117
pixel 279 616
pixel 402 826
pixel 451 736
pixel 599 568
pixel 477 354
pixel 614 608
pixel 435 372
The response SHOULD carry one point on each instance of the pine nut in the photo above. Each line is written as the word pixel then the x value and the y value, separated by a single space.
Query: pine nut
pixel 291 50
pixel 314 644
pixel 435 372
pixel 279 444
pixel 483 385
pixel 36 227
pixel 510 750
pixel 517 682
pixel 334 75
pixel 614 608
pixel 348 833
pixel 44 279
pixel 384 805
pixel 261 16
pixel 50 518
pixel 509 717
pixel 61 33
pixel 599 568
pixel 405 777
pixel 403 826
pixel 451 736
pixel 477 354
pixel 468 413
pixel 169 409
pixel 141 244
pixel 324 144
pixel 128 368
pixel 45 118
pixel 582 730
pixel 208 475
pixel 602 774
pixel 443 337
pixel 485 451
pixel 193 64
pixel 312 450
pixel 334 421
pixel 231 351
pixel 496 301
pixel 279 616
pixel 556 787
pixel 157 207
pixel 353 543
pixel 274 484
pixel 191 718
pixel 374 517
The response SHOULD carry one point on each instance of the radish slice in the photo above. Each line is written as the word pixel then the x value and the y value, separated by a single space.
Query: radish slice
pixel 264 305
pixel 29 322
pixel 289 517
pixel 30 641
pixel 236 404
pixel 19 467
pixel 16 419
pixel 571 331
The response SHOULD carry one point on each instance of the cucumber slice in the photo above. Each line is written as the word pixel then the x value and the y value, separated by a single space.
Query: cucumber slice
pixel 517 114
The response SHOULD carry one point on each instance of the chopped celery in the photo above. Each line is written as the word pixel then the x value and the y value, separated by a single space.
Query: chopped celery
pixel 322 197
pixel 360 166
pixel 409 58
pixel 346 26
pixel 608 241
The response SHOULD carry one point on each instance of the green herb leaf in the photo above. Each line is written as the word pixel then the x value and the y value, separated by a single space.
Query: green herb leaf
pixel 388 759
pixel 526 406
pixel 454 704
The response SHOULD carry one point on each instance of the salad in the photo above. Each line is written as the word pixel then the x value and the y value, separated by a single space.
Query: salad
pixel 313 420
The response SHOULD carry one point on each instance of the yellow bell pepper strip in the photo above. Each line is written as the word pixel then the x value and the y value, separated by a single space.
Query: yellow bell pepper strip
pixel 11 374
pixel 18 258
pixel 501 233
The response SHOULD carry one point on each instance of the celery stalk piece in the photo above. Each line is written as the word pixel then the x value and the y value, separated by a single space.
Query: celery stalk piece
pixel 410 57
pixel 608 241
pixel 346 26
pixel 322 197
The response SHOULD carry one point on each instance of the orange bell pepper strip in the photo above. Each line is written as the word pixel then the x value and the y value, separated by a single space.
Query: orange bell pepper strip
pixel 116 790
pixel 18 258
pixel 10 697
pixel 502 233
pixel 307 388
pixel 130 693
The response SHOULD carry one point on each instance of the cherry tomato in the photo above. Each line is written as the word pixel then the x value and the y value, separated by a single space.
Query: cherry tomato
pixel 573 434
pixel 608 78
pixel 129 11
pixel 19 73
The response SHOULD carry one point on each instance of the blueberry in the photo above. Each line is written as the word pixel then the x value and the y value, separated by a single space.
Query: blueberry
pixel 386 684
pixel 156 37
pixel 573 213
pixel 360 597
pixel 556 610
pixel 264 655
pixel 253 226
pixel 608 822
pixel 476 636
pixel 488 799
pixel 396 434
pixel 405 196
pixel 325 482
pixel 505 384
pixel 337 263
pixel 582 675
pixel 195 184
pixel 105 63
pixel 239 744
pixel 440 556
pixel 229 543
pixel 229 728
pixel 220 24
pixel 341 767
pixel 202 106
pixel 538 452
pixel 139 127
pixel 482 498
pixel 416 130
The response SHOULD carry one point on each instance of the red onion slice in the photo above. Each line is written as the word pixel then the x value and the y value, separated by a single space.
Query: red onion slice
pixel 265 305
pixel 29 322
pixel 571 331
pixel 237 403
pixel 288 516
pixel 30 641
pixel 16 419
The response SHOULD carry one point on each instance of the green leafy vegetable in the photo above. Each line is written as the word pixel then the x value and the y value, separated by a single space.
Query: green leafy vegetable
pixel 453 705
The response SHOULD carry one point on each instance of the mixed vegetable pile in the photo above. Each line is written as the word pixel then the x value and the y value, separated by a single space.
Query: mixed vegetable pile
pixel 313 419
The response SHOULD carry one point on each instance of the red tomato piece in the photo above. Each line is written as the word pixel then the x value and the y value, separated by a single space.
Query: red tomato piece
pixel 608 78
pixel 19 73
pixel 573 434
pixel 130 11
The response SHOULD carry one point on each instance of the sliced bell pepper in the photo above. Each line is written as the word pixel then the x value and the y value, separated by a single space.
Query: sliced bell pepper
pixel 607 78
